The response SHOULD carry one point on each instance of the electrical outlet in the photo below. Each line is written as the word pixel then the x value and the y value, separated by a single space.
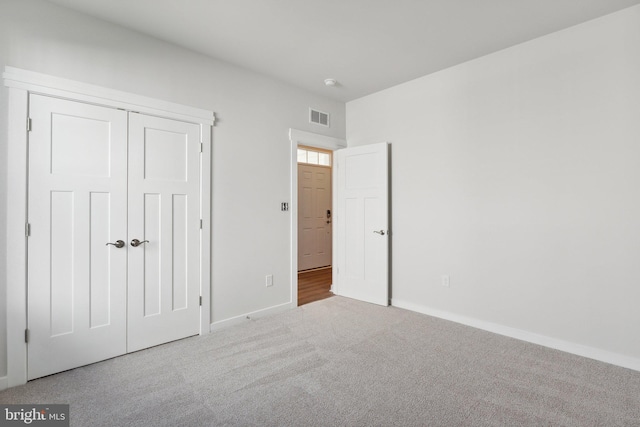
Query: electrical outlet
pixel 444 280
pixel 268 279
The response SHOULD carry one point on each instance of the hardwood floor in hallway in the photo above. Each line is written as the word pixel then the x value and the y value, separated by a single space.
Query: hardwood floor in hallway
pixel 314 285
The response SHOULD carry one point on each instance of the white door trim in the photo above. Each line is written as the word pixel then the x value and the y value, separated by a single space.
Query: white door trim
pixel 20 84
pixel 78 91
pixel 299 137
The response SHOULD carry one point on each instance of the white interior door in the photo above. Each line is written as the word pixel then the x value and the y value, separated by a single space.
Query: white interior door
pixel 77 204
pixel 98 179
pixel 164 213
pixel 362 240
pixel 314 216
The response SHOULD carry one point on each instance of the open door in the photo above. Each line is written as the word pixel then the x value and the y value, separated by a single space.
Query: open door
pixel 362 232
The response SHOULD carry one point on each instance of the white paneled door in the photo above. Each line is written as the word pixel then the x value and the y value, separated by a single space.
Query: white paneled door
pixel 77 283
pixel 314 216
pixel 98 179
pixel 164 214
pixel 363 216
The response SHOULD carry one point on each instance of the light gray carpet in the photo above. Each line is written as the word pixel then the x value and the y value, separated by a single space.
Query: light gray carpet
pixel 339 362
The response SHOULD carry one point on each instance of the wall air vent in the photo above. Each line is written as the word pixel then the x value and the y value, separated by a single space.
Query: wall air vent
pixel 318 117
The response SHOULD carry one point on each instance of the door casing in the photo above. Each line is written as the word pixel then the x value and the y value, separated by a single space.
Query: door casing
pixel 22 83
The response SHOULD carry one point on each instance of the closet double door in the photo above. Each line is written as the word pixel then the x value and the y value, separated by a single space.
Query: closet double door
pixel 113 233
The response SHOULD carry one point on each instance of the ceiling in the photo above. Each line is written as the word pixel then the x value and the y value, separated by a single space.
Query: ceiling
pixel 366 45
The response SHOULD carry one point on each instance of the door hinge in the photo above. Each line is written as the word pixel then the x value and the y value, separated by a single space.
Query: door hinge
pixel 201 147
pixel 27 229
pixel 200 300
pixel 29 123
pixel 26 335
pixel 200 224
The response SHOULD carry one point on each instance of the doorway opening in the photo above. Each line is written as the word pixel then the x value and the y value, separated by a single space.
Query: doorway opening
pixel 360 252
pixel 315 228
pixel 298 139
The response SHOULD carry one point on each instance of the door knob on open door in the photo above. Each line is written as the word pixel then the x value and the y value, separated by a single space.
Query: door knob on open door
pixel 135 242
pixel 381 232
pixel 118 244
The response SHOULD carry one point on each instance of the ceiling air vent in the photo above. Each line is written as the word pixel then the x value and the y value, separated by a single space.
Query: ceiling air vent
pixel 318 117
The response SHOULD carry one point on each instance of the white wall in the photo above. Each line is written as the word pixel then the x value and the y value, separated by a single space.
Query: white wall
pixel 518 174
pixel 251 149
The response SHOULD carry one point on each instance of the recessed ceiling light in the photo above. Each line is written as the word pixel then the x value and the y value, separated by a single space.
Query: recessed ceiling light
pixel 330 82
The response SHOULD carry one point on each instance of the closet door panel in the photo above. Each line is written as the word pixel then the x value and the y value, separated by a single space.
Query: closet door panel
pixel 164 213
pixel 77 204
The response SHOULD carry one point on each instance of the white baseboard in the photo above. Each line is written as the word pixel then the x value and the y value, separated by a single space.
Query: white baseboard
pixel 555 343
pixel 4 383
pixel 220 324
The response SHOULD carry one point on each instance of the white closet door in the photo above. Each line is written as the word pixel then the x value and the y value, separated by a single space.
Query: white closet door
pixel 77 204
pixel 164 213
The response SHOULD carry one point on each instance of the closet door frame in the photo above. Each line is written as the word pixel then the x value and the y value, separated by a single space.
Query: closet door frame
pixel 21 83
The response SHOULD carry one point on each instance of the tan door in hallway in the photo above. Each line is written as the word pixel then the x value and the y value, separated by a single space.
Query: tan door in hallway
pixel 314 216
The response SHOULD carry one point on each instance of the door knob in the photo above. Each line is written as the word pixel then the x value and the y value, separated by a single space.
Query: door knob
pixel 381 232
pixel 135 242
pixel 117 244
